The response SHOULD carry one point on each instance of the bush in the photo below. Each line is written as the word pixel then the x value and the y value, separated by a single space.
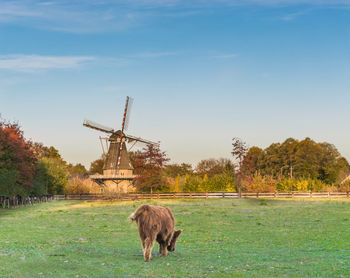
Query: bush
pixel 78 185
pixel 175 184
pixel 220 182
pixel 192 183
pixel 301 185
pixel 259 183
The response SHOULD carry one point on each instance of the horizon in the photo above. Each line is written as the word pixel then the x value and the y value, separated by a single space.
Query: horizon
pixel 200 72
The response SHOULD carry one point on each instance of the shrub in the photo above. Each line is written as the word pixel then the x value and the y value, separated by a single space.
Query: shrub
pixel 78 185
pixel 259 183
pixel 192 183
pixel 220 182
pixel 301 185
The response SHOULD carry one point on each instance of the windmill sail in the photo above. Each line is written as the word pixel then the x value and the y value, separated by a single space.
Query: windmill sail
pixel 139 139
pixel 125 112
pixel 122 135
pixel 97 126
pixel 127 118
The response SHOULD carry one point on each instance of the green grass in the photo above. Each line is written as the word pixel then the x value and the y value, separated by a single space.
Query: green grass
pixel 221 238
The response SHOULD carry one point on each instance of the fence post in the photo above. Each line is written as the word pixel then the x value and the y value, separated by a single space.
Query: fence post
pixel 347 194
pixel 274 194
pixel 158 195
pixel 257 195
pixel 329 195
pixel 206 195
pixel 190 195
pixel 223 195
pixel 292 194
pixel 310 194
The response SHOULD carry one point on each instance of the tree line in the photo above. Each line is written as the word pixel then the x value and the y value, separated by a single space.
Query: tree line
pixel 293 165
pixel 30 168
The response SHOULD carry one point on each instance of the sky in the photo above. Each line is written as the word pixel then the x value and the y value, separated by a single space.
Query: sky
pixel 200 72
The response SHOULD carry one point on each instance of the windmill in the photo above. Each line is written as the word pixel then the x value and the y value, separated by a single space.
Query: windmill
pixel 117 166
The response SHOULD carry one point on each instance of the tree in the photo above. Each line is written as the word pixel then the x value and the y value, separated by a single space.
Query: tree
pixel 17 161
pixel 305 159
pixel 96 167
pixel 28 168
pixel 41 151
pixel 239 151
pixel 250 163
pixel 212 167
pixel 52 174
pixel 174 170
pixel 77 170
pixel 149 165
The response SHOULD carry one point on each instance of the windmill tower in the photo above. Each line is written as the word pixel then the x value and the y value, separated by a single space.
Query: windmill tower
pixel 117 170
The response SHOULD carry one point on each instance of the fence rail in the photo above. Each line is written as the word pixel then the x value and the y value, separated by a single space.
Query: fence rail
pixel 202 195
pixel 16 201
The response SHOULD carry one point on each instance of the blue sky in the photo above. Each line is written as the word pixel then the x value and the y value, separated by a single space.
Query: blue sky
pixel 201 72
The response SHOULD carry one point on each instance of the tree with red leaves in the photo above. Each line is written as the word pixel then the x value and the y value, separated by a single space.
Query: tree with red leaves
pixel 149 165
pixel 17 161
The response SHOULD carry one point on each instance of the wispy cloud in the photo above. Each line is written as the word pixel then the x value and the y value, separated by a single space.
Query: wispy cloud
pixel 225 56
pixel 32 63
pixel 293 16
pixel 35 63
pixel 68 16
pixel 147 55
pixel 92 16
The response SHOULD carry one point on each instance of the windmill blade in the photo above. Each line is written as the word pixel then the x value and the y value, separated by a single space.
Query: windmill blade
pixel 139 139
pixel 127 118
pixel 128 105
pixel 125 113
pixel 97 126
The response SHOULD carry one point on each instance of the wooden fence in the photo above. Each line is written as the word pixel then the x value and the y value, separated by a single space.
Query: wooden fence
pixel 16 201
pixel 202 195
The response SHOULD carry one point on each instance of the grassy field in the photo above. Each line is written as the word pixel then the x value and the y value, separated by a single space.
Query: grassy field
pixel 221 238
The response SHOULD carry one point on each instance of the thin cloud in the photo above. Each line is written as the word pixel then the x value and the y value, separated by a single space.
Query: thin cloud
pixel 226 56
pixel 293 16
pixel 95 16
pixel 151 55
pixel 32 63
pixel 65 16
pixel 286 2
